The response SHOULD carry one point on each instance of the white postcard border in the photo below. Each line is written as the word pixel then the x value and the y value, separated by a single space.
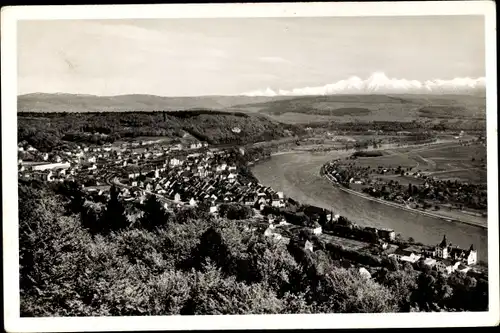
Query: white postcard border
pixel 10 16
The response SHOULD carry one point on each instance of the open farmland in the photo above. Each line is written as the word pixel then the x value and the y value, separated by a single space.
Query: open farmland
pixel 346 108
pixel 443 161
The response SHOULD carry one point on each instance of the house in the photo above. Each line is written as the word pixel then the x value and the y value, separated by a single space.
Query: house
pixel 410 254
pixel 47 166
pixel 466 256
pixel 429 262
pixel 384 233
pixel 308 246
pixel 174 162
pixel 317 231
pixel 192 202
pixel 213 209
pixel 447 266
pixel 49 176
pixel 250 200
pixel 282 221
pixel 269 232
pixel 276 201
pixel 364 273
pixel 177 197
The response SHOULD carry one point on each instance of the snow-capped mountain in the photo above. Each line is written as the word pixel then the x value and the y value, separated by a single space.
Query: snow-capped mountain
pixel 379 83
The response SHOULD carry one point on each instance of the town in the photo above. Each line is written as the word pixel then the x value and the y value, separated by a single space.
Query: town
pixel 193 174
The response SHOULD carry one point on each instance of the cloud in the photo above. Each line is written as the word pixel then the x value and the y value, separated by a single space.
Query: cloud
pixel 274 60
pixel 379 83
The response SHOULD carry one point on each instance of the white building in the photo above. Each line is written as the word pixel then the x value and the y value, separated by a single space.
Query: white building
pixel 364 273
pixel 317 231
pixel 48 166
pixel 174 162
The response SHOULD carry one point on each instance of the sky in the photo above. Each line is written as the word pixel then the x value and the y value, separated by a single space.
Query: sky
pixel 225 56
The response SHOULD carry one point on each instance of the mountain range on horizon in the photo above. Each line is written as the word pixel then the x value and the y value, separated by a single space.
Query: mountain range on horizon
pixel 375 84
pixel 380 83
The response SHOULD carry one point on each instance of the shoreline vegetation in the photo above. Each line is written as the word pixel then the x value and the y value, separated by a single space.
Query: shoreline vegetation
pixel 378 153
pixel 393 204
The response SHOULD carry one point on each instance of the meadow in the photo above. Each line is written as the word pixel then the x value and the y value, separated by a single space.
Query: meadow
pixel 443 161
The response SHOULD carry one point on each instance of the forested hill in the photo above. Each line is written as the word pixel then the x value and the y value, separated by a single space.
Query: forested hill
pixel 41 102
pixel 46 131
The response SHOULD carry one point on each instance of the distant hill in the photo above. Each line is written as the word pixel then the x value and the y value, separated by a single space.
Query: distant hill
pixel 42 102
pixel 345 108
pixel 286 109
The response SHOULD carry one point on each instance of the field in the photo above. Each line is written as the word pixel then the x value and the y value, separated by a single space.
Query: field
pixel 346 108
pixel 444 161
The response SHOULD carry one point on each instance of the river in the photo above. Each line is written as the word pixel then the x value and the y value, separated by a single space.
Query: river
pixel 297 175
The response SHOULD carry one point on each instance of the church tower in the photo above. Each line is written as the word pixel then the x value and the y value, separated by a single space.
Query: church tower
pixel 442 249
pixel 471 256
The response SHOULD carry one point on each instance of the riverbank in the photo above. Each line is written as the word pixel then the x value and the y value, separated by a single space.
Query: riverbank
pixel 400 206
pixel 296 173
pixel 343 153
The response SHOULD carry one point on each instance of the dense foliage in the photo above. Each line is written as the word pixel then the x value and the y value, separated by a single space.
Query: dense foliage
pixel 45 131
pixel 79 258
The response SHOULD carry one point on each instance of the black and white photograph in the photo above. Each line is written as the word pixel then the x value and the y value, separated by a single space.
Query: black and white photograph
pixel 284 163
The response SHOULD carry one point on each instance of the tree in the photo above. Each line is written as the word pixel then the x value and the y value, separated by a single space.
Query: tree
pixel 91 217
pixel 346 291
pixel 212 247
pixel 235 211
pixel 154 214
pixel 402 284
pixel 210 291
pixel 393 264
pixel 114 217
